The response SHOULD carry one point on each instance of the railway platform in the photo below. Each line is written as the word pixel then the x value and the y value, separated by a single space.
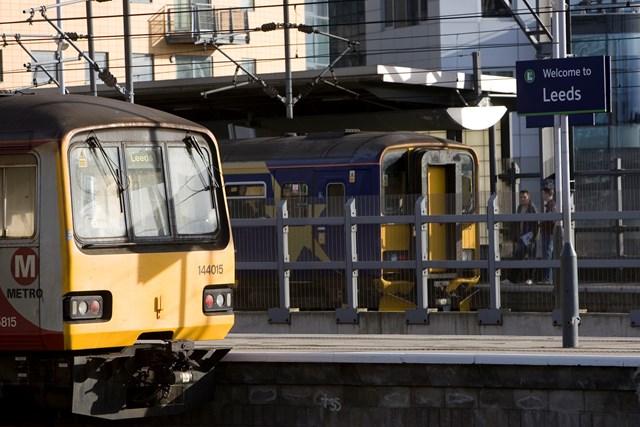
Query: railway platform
pixel 419 380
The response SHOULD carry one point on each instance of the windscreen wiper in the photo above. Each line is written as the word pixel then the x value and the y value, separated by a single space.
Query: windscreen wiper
pixel 95 144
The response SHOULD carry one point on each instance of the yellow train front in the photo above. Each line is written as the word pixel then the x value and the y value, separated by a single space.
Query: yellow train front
pixel 116 253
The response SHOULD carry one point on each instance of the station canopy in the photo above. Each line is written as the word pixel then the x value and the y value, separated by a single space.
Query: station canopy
pixel 375 97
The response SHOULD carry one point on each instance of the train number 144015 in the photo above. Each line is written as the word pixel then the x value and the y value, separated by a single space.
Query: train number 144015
pixel 210 269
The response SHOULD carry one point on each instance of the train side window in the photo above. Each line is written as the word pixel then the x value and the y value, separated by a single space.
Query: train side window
pixel 246 199
pixel 335 199
pixel 97 208
pixel 147 193
pixel 467 166
pixel 296 195
pixel 18 190
pixel 394 181
pixel 192 191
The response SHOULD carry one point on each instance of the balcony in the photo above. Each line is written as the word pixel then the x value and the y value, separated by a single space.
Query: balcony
pixel 202 22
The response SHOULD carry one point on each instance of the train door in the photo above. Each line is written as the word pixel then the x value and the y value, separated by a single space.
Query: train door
pixel 448 182
pixel 19 254
pixel 331 188
pixel 438 190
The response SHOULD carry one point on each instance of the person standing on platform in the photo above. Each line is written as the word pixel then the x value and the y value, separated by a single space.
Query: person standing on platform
pixel 527 233
pixel 547 229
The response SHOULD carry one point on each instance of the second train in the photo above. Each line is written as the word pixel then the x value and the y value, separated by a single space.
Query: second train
pixel 385 173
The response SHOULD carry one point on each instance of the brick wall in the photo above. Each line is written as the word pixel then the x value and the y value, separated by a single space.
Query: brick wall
pixel 313 394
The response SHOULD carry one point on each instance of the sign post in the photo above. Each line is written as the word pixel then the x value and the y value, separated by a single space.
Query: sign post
pixel 564 86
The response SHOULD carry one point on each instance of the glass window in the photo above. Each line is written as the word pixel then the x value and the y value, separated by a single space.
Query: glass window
pixel 97 207
pixel 249 4
pixel 147 192
pixel 132 192
pixel 394 181
pixel 191 191
pixel 188 67
pixel 18 191
pixel 142 67
pixel 404 13
pixel 467 167
pixel 295 193
pixel 102 59
pixel 335 199
pixel 43 74
pixel 247 64
pixel 495 8
pixel 317 16
pixel 246 200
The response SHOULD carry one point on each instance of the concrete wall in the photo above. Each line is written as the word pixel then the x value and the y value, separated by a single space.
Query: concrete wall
pixel 440 323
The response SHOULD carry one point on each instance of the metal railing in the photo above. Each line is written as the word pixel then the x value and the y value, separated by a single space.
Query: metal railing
pixel 271 251
pixel 196 23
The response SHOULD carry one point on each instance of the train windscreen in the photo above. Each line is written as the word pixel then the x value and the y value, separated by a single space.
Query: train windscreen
pixel 161 191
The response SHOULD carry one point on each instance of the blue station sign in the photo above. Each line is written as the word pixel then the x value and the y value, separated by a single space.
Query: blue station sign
pixel 564 86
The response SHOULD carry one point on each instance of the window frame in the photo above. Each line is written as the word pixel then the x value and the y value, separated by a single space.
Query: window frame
pixel 32 163
pixel 167 174
pixel 180 61
pixel 413 13
pixel 247 206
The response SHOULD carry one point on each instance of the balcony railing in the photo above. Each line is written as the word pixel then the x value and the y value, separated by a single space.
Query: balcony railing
pixel 203 22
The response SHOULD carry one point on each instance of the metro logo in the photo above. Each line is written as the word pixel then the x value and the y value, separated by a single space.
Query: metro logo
pixel 24 266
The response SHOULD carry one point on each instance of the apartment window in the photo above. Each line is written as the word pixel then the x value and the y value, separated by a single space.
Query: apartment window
pixel 42 74
pixel 189 67
pixel 249 4
pixel 247 64
pixel 317 16
pixel 102 59
pixel 140 1
pixel 404 13
pixel 142 67
pixel 494 8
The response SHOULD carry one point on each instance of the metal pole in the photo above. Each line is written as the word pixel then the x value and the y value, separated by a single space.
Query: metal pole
pixel 61 85
pixel 287 63
pixel 568 257
pixel 127 50
pixel 92 54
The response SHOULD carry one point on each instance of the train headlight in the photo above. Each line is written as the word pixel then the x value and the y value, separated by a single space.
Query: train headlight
pixel 84 307
pixel 215 300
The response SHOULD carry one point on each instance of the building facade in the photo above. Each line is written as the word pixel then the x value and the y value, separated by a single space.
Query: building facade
pixel 167 40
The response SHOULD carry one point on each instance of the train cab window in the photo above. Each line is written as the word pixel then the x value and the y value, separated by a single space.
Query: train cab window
pixel 394 169
pixel 192 192
pixel 296 193
pixel 467 183
pixel 147 192
pixel 18 191
pixel 97 207
pixel 126 192
pixel 246 199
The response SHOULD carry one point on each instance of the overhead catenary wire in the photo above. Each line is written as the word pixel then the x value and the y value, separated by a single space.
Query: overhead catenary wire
pixel 408 50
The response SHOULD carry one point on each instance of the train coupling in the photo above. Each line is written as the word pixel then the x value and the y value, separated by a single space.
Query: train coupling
pixel 148 379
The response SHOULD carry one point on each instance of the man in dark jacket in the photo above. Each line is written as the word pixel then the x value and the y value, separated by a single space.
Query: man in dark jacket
pixel 527 233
